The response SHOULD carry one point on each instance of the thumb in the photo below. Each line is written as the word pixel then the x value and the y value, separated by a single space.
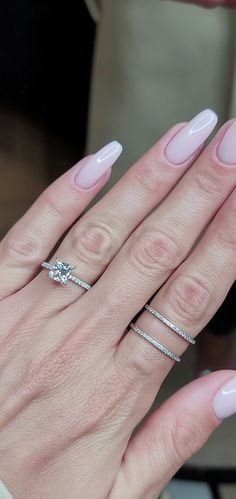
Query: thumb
pixel 173 433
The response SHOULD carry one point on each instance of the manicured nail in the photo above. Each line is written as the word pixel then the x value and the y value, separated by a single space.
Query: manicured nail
pixel 97 165
pixel 191 137
pixel 224 402
pixel 227 148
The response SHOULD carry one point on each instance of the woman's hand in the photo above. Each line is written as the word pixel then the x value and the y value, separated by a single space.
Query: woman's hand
pixel 75 379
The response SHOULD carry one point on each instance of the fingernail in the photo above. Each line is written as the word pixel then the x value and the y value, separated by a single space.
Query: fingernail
pixel 224 402
pixel 227 148
pixel 191 137
pixel 97 165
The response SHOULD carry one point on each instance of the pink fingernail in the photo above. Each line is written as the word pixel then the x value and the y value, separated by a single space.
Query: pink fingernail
pixel 224 402
pixel 191 137
pixel 97 165
pixel 227 148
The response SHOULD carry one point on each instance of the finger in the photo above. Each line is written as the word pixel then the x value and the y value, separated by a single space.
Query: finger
pixel 173 433
pixel 165 238
pixel 34 236
pixel 188 299
pixel 94 241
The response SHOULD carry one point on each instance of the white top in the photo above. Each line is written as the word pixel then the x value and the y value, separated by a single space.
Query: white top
pixel 4 493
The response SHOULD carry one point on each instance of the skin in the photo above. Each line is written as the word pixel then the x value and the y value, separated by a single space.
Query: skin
pixel 74 383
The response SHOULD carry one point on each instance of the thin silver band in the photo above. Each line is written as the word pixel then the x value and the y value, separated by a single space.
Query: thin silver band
pixel 155 343
pixel 169 324
pixel 71 277
pixel 79 282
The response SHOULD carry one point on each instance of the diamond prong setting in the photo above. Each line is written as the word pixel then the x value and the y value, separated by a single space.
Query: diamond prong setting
pixel 61 272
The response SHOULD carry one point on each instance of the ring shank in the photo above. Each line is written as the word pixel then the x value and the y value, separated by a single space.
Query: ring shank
pixel 155 343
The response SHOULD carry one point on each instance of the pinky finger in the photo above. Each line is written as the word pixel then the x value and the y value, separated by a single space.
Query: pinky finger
pixel 34 236
pixel 173 433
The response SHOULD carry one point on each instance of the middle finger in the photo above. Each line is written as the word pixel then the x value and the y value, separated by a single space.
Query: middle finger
pixel 165 238
pixel 98 236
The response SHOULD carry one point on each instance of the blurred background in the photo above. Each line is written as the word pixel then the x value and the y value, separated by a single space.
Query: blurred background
pixel 45 64
pixel 75 76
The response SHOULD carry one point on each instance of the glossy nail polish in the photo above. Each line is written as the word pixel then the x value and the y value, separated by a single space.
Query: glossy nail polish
pixel 188 140
pixel 227 147
pixel 224 402
pixel 97 165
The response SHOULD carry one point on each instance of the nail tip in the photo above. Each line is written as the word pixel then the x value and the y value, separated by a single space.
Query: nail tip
pixel 114 146
pixel 224 401
pixel 114 143
pixel 98 165
pixel 203 115
pixel 215 117
pixel 191 137
pixel 119 146
pixel 210 111
pixel 226 150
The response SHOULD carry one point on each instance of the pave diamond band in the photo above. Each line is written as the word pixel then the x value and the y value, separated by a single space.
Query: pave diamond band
pixel 153 342
pixel 170 325
pixel 79 282
pixel 61 272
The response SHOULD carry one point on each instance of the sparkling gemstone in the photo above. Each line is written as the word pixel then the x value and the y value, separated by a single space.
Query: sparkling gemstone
pixel 61 272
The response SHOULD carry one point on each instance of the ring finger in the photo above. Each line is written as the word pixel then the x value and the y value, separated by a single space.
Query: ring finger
pixel 165 238
pixel 188 299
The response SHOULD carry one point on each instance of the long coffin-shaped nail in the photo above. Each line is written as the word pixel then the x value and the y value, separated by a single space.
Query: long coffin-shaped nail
pixel 227 147
pixel 97 165
pixel 188 140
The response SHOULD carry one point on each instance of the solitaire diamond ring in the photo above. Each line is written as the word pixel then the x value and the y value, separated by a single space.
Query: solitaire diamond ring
pixel 61 272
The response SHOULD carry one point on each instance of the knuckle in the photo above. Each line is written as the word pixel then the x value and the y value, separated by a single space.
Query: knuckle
pixel 148 176
pixel 226 232
pixel 95 241
pixel 53 204
pixel 208 181
pixel 22 248
pixel 182 437
pixel 228 239
pixel 141 369
pixel 154 252
pixel 190 298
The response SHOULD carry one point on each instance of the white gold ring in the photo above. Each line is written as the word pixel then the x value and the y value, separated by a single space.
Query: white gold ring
pixel 170 325
pixel 61 272
pixel 155 343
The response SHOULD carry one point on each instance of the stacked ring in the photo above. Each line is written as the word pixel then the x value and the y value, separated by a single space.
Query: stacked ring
pixel 170 325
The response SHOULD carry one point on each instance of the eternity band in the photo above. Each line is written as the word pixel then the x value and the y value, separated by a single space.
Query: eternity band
pixel 170 325
pixel 153 342
pixel 61 272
